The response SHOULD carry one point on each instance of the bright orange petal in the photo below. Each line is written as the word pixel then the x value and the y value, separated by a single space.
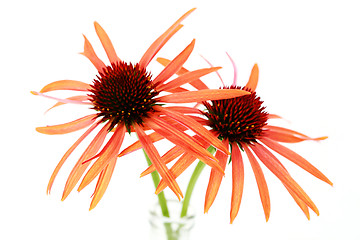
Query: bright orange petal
pixel 202 95
pixel 67 154
pixel 175 64
pixel 254 77
pixel 300 203
pixel 281 134
pixel 157 161
pixel 186 78
pixel 195 127
pixel 103 183
pixel 68 127
pixel 160 42
pixel 198 84
pixel 91 55
pixel 237 180
pixel 66 85
pixel 109 153
pixel 295 158
pixel 278 170
pixel 106 43
pixel 215 179
pixel 261 182
pixel 80 167
pixel 185 141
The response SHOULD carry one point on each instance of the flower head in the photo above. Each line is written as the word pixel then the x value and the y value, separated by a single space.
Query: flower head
pixel 242 124
pixel 126 97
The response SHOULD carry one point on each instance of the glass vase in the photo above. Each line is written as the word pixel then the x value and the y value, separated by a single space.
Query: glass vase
pixel 173 227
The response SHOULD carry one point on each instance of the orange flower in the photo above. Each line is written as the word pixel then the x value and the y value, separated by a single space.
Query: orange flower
pixel 125 97
pixel 241 124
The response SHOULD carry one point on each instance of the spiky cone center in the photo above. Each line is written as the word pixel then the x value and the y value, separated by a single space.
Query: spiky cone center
pixel 123 93
pixel 239 119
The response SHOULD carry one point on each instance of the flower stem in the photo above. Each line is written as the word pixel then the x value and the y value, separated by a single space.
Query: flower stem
pixel 194 177
pixel 161 196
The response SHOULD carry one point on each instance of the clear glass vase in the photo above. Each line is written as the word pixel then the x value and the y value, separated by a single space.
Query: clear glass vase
pixel 173 227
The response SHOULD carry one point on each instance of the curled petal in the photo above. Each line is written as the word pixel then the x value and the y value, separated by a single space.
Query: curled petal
pixel 106 43
pixel 281 134
pixel 202 95
pixel 66 85
pixel 68 127
pixel 254 78
pixel 80 98
pixel 60 99
pixel 160 42
pixel 91 55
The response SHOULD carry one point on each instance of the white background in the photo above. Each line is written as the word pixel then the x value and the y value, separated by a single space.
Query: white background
pixel 308 55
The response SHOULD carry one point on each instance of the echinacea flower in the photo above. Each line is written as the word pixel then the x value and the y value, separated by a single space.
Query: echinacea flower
pixel 242 124
pixel 125 97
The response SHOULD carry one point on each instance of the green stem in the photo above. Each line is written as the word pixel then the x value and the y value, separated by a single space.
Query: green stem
pixel 161 196
pixel 194 177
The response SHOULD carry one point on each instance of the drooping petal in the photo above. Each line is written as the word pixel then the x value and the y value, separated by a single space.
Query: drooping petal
pixel 195 127
pixel 281 134
pixel 300 203
pixel 67 154
pixel 157 161
pixel 66 85
pixel 186 78
pixel 175 64
pixel 202 95
pixel 160 42
pixel 154 137
pixel 185 141
pixel 278 170
pixel 80 167
pixel 91 55
pixel 68 127
pixel 198 84
pixel 109 153
pixel 60 99
pixel 215 179
pixel 80 98
pixel 237 181
pixel 254 77
pixel 295 158
pixel 261 182
pixel 106 43
pixel 102 183
pixel 177 169
pixel 167 157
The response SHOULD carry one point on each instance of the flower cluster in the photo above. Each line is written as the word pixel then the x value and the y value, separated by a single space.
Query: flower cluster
pixel 126 97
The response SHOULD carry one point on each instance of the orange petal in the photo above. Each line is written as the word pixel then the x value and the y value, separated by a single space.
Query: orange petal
pixel 198 84
pixel 237 180
pixel 167 157
pixel 273 116
pixel 281 134
pixel 185 141
pixel 202 95
pixel 60 99
pixel 68 127
pixel 160 42
pixel 175 64
pixel 80 167
pixel 66 85
pixel 67 154
pixel 106 43
pixel 278 170
pixel 215 179
pixel 261 182
pixel 295 158
pixel 91 55
pixel 195 127
pixel 109 153
pixel 157 161
pixel 254 77
pixel 186 78
pixel 184 110
pixel 103 183
pixel 300 203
